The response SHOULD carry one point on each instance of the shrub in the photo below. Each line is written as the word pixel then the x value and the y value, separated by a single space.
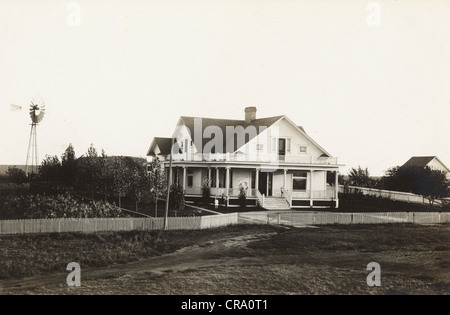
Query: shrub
pixel 50 207
pixel 206 195
pixel 242 196
pixel 16 175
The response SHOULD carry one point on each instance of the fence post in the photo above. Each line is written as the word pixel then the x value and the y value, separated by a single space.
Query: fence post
pixel 279 215
pixel 352 218
pixel 413 217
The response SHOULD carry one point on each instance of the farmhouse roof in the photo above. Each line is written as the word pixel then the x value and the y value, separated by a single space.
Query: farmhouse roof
pixel 164 145
pixel 188 122
pixel 223 124
pixel 423 161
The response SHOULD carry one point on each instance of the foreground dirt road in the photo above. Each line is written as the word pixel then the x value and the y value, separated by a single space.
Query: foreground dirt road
pixel 322 260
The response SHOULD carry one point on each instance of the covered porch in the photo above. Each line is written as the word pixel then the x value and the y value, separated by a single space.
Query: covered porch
pixel 299 187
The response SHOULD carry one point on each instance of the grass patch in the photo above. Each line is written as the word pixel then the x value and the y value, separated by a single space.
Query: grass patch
pixel 28 255
pixel 243 259
pixel 351 202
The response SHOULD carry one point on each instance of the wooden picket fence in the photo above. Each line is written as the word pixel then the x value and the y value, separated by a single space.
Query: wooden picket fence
pixel 388 194
pixel 290 218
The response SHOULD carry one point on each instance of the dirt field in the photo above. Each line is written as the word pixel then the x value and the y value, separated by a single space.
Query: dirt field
pixel 264 260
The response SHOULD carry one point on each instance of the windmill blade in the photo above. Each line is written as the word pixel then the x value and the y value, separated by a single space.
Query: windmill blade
pixel 41 114
pixel 34 106
pixel 32 115
pixel 15 108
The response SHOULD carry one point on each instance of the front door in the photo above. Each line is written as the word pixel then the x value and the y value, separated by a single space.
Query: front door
pixel 265 183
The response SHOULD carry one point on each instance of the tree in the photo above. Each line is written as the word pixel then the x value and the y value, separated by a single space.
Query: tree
pixel 176 198
pixel 242 195
pixel 50 169
pixel 105 179
pixel 69 166
pixel 360 177
pixel 94 172
pixel 139 186
pixel 157 182
pixel 434 185
pixel 429 183
pixel 122 174
pixel 206 191
pixel 89 171
pixel 120 179
pixel 16 175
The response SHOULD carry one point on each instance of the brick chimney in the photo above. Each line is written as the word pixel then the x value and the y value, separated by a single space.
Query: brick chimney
pixel 250 114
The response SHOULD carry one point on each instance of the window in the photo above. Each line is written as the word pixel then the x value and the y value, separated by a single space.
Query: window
pixel 303 148
pixel 299 179
pixel 190 178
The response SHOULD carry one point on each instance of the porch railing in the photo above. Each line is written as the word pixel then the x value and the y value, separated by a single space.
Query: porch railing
pixel 260 198
pixel 323 194
pixel 288 196
pixel 234 192
pixel 254 193
pixel 314 194
pixel 258 157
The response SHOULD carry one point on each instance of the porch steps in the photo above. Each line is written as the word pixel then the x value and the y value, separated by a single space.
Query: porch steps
pixel 276 203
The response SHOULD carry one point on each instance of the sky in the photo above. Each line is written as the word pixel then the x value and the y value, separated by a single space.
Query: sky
pixel 368 80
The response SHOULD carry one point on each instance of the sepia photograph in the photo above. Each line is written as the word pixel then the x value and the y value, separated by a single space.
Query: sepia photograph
pixel 222 153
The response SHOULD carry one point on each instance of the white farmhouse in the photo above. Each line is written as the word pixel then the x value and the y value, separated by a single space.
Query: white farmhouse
pixel 274 161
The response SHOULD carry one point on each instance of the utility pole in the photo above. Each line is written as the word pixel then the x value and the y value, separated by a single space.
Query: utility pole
pixel 169 180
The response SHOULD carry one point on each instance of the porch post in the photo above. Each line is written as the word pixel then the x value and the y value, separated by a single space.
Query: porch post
pixel 227 181
pixel 184 179
pixel 285 179
pixel 337 189
pixel 311 175
pixel 257 179
pixel 209 177
pixel 217 180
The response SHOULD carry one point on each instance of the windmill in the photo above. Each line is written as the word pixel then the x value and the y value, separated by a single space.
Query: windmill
pixel 37 112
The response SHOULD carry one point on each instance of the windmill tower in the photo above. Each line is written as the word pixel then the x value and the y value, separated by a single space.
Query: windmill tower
pixel 37 112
